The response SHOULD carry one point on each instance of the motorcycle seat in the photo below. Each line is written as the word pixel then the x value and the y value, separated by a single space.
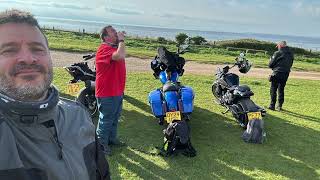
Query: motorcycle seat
pixel 170 87
pixel 232 87
pixel 243 88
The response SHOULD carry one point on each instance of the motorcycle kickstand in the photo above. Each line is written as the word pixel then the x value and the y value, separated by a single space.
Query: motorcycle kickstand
pixel 226 111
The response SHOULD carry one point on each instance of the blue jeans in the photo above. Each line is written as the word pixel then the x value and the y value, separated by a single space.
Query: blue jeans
pixel 109 113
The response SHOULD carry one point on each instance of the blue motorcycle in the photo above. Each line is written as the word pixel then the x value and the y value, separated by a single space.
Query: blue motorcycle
pixel 173 101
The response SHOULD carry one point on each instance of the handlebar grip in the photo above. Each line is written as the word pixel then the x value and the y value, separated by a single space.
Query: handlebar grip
pixel 88 56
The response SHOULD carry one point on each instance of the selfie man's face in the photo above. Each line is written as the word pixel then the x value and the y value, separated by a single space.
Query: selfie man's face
pixel 25 62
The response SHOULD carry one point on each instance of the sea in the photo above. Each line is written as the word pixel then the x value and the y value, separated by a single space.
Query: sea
pixel 309 43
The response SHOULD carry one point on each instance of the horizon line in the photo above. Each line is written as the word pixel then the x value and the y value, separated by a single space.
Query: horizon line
pixel 172 28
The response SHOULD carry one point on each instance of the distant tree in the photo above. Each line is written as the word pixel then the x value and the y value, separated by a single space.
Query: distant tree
pixel 181 37
pixel 96 35
pixel 198 40
pixel 161 40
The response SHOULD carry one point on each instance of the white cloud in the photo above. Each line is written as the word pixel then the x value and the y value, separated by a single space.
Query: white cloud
pixel 124 11
pixel 71 4
pixel 217 15
pixel 306 9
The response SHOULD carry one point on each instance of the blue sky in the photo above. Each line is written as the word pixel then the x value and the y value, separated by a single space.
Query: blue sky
pixel 287 17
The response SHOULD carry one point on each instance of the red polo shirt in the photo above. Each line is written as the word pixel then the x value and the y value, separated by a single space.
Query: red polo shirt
pixel 110 74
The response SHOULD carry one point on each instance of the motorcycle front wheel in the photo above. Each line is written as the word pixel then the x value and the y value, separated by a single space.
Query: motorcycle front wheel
pixel 215 92
pixel 88 99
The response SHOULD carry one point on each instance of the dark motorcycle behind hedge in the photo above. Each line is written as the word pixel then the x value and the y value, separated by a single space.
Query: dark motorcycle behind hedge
pixel 81 72
pixel 236 99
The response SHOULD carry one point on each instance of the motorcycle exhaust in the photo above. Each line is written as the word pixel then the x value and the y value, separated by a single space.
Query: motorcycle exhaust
pixel 90 85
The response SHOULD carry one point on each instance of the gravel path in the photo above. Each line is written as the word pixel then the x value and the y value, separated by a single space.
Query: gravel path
pixel 61 59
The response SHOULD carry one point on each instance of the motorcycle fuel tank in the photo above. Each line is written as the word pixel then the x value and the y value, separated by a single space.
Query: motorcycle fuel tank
pixel 171 97
pixel 164 78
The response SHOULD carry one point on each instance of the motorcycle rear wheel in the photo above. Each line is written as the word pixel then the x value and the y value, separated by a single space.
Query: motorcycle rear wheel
pixel 89 100
pixel 240 116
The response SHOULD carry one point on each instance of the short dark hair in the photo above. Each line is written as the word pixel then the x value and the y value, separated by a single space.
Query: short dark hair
pixel 18 16
pixel 103 32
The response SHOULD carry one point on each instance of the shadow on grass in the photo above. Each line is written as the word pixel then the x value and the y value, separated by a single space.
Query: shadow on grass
pixel 143 135
pixel 141 105
pixel 302 116
pixel 291 151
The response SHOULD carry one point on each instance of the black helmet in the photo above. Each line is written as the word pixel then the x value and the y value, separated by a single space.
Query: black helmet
pixel 243 64
pixel 244 67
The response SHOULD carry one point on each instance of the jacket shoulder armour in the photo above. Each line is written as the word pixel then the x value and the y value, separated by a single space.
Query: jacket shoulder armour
pixel 276 54
pixel 70 103
pixel 72 106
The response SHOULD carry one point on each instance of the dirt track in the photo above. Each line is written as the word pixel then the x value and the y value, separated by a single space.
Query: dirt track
pixel 61 59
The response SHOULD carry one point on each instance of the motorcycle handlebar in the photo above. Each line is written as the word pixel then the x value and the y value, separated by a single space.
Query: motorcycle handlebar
pixel 88 56
pixel 182 52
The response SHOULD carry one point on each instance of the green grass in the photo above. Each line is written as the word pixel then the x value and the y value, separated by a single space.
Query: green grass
pixel 290 152
pixel 147 48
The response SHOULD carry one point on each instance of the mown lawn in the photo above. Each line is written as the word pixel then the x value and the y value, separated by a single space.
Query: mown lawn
pixel 290 152
pixel 147 48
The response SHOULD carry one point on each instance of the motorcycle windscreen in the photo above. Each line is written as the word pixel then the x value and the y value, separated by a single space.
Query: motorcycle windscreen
pixel 231 79
pixel 171 98
pixel 81 71
pixel 164 77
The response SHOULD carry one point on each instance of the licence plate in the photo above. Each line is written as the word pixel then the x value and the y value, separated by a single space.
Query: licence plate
pixel 254 115
pixel 171 116
pixel 73 88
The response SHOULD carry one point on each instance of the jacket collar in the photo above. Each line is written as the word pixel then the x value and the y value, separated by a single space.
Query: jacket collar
pixel 31 120
pixel 31 113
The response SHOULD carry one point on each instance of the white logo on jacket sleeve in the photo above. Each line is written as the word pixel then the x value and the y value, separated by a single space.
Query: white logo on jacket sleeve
pixel 42 106
pixel 4 100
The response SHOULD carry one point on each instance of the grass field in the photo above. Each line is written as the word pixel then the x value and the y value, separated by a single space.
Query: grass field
pixel 146 48
pixel 290 152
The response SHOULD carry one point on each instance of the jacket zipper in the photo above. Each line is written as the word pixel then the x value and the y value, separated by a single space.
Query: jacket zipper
pixel 61 155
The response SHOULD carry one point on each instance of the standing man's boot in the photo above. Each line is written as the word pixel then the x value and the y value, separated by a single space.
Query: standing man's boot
pixel 271 107
pixel 279 107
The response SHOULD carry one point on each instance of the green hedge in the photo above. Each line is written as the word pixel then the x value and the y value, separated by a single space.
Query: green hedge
pixel 258 45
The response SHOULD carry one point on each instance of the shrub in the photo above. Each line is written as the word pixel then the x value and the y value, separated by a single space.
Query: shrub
pixel 181 37
pixel 258 45
pixel 198 40
pixel 161 40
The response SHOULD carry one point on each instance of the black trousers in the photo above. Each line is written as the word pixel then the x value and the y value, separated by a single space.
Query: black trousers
pixel 278 82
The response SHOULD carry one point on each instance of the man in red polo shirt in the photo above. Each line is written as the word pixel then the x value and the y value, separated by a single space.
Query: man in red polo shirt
pixel 110 84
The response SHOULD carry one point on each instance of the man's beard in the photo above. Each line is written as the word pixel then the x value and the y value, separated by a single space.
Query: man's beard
pixel 114 45
pixel 27 91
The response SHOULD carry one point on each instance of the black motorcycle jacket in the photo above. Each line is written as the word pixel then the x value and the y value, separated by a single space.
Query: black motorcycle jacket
pixel 282 60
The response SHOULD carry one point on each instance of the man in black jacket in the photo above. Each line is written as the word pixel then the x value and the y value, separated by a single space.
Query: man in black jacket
pixel 280 63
